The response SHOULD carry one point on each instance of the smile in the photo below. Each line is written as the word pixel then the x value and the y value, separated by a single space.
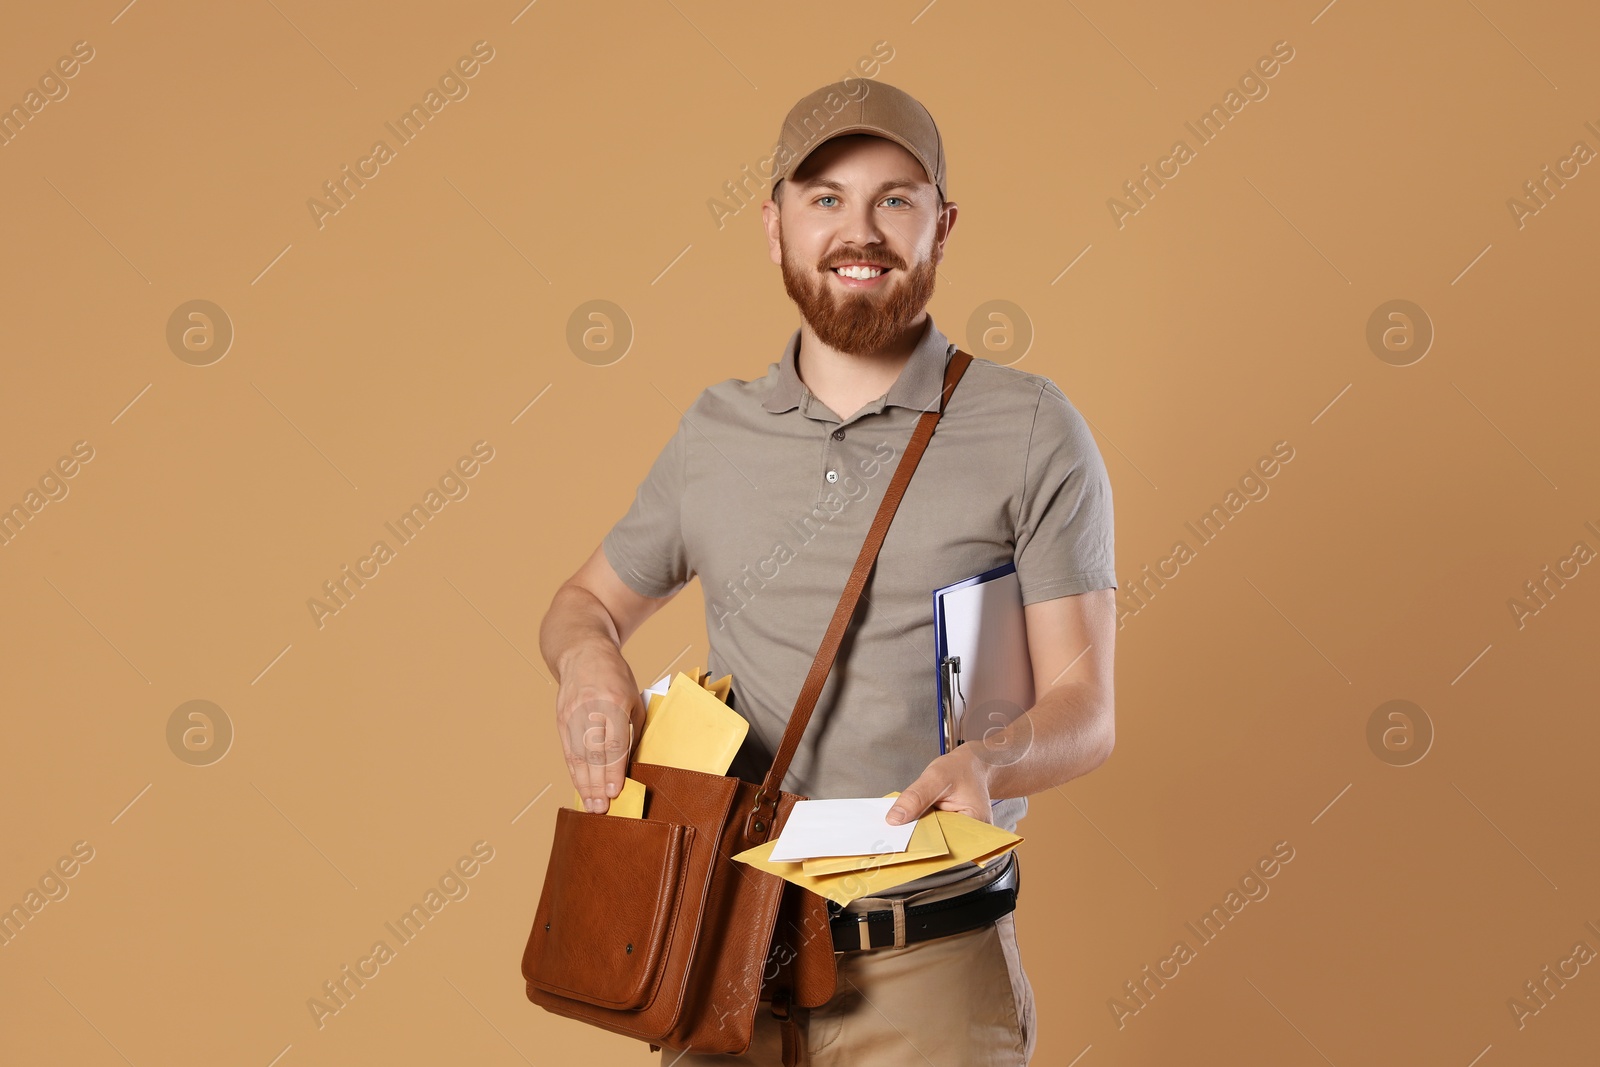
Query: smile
pixel 858 277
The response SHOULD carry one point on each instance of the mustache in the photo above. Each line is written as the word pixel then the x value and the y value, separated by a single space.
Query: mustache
pixel 871 261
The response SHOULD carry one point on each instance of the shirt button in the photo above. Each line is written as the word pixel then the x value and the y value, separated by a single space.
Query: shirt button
pixel 833 476
pixel 838 435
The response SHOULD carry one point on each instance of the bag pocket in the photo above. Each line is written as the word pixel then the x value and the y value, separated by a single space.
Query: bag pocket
pixel 608 908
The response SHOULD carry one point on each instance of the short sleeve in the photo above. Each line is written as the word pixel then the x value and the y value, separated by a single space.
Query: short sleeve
pixel 646 547
pixel 1065 525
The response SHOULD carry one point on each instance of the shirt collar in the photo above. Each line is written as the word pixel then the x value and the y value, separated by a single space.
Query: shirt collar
pixel 917 387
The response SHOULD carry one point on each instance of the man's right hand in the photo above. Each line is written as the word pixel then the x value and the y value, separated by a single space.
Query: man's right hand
pixel 598 715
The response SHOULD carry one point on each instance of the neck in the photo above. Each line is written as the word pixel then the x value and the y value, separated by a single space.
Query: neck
pixel 856 377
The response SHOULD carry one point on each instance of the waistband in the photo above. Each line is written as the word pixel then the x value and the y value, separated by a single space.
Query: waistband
pixel 980 877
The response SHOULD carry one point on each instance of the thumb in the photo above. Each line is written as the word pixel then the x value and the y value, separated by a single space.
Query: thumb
pixel 911 803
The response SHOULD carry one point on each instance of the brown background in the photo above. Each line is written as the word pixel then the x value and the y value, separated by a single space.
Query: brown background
pixel 432 310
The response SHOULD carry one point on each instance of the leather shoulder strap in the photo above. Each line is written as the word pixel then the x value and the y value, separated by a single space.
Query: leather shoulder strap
pixel 759 823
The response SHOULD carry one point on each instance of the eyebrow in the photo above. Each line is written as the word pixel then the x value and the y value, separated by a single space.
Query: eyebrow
pixel 839 187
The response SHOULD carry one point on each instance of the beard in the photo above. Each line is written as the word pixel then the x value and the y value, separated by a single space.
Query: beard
pixel 859 321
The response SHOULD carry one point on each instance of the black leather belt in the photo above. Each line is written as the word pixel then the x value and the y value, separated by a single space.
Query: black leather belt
pixel 940 918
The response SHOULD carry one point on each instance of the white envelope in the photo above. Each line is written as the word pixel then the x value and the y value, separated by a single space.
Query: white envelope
pixel 848 827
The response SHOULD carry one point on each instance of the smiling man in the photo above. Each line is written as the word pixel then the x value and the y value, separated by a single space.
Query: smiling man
pixel 766 492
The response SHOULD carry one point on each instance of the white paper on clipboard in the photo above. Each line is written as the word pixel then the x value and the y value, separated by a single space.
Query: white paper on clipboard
pixel 982 661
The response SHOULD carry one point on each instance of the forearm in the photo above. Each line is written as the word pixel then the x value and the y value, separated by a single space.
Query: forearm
pixel 1069 732
pixel 576 621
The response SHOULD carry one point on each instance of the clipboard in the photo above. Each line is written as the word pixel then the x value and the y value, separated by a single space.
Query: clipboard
pixel 981 652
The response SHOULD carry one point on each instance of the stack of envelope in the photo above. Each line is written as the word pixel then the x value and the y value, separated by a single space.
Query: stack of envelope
pixel 939 840
pixel 691 726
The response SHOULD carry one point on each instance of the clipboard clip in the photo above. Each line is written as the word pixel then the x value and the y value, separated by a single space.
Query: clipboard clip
pixel 950 667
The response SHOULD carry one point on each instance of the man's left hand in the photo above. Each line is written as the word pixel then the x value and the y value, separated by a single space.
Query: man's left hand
pixel 955 781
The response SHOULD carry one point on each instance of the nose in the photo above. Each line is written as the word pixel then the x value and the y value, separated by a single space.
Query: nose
pixel 861 227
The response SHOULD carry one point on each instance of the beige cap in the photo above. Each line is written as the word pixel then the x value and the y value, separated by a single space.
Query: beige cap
pixel 859 105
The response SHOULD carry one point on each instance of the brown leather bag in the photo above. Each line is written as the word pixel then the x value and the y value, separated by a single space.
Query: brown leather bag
pixel 649 928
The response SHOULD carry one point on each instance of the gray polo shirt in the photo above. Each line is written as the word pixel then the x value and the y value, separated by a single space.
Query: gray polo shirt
pixel 767 495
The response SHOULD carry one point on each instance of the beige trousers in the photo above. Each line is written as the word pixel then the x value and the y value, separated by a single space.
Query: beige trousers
pixel 956 1001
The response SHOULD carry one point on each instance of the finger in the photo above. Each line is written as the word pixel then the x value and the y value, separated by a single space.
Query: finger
pixel 619 749
pixel 597 734
pixel 615 755
pixel 614 768
pixel 966 806
pixel 910 804
pixel 591 730
pixel 577 767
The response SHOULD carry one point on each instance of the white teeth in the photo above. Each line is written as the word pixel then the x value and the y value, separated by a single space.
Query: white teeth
pixel 861 273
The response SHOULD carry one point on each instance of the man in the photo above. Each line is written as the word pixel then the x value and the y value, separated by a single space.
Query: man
pixel 766 492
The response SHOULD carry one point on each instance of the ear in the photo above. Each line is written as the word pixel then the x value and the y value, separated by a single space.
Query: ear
pixel 941 229
pixel 769 221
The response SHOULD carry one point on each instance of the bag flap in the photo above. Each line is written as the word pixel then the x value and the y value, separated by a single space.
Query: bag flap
pixel 607 910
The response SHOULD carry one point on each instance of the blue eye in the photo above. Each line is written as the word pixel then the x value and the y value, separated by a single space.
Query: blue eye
pixel 830 196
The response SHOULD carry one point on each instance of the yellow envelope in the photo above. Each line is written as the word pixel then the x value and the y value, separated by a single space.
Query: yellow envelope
pixel 719 687
pixel 629 803
pixel 927 841
pixel 968 838
pixel 692 729
pixel 650 711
